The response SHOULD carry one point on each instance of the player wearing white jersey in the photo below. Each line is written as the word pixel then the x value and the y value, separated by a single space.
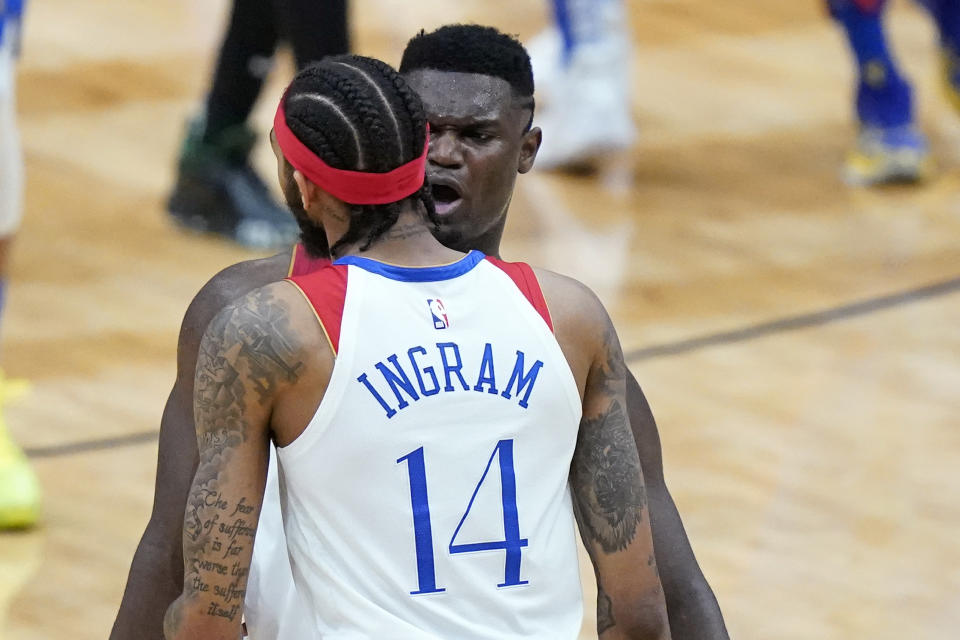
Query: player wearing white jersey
pixel 474 414
pixel 476 86
pixel 425 480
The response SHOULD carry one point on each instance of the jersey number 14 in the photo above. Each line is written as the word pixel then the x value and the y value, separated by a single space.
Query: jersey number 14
pixel 512 543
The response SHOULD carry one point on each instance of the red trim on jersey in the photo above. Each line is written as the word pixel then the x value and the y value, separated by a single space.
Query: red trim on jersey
pixel 326 290
pixel 526 280
pixel 302 263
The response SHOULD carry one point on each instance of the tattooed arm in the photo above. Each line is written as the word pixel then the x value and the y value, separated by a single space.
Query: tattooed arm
pixel 606 481
pixel 156 573
pixel 249 357
pixel 611 505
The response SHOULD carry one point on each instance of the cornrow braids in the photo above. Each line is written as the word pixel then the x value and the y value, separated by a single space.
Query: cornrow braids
pixel 358 114
pixel 393 118
pixel 416 119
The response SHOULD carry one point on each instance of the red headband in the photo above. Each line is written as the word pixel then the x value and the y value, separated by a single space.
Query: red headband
pixel 353 187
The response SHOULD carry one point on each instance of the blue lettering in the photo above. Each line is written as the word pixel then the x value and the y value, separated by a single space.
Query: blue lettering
pixel 427 370
pixel 383 403
pixel 398 379
pixel 523 379
pixel 447 368
pixel 486 372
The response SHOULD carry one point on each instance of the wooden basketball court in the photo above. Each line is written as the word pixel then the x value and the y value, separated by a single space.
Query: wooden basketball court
pixel 799 341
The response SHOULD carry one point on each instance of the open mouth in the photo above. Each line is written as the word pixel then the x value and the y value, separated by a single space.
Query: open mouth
pixel 445 197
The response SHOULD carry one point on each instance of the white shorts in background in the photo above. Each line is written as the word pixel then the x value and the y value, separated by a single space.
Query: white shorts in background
pixel 11 158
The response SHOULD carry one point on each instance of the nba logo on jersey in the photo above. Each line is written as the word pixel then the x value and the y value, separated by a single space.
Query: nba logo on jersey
pixel 439 313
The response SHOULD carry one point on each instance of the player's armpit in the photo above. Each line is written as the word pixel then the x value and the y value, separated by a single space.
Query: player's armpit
pixel 611 506
pixel 246 358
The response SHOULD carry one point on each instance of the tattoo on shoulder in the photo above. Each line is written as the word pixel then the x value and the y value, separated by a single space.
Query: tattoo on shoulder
pixel 256 333
pixel 613 368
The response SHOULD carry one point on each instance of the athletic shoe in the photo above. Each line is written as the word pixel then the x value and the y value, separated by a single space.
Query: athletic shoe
pixel 888 155
pixel 218 192
pixel 19 487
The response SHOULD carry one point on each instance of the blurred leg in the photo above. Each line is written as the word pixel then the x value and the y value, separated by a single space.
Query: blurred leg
pixel 946 14
pixel 217 191
pixel 582 72
pixel 561 17
pixel 11 160
pixel 883 96
pixel 586 21
pixel 19 490
pixel 889 148
pixel 314 28
pixel 242 66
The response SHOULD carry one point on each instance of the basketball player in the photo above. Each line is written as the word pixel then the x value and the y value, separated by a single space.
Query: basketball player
pixel 19 488
pixel 217 191
pixel 582 67
pixel 890 146
pixel 454 68
pixel 380 458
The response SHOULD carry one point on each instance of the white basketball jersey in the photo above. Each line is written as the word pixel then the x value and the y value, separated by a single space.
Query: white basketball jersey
pixel 272 608
pixel 428 496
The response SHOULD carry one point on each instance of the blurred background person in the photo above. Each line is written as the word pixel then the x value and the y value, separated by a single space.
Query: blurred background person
pixel 19 489
pixel 217 191
pixel 582 68
pixel 890 146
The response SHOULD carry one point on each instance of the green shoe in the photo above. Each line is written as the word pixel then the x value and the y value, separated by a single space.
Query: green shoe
pixel 218 192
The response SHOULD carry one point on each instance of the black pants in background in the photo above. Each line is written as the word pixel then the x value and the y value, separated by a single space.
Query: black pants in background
pixel 313 28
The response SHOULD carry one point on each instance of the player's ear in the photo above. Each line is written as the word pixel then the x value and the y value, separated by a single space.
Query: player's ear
pixel 528 149
pixel 309 192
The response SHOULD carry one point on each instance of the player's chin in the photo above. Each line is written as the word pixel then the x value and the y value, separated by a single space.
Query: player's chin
pixel 450 234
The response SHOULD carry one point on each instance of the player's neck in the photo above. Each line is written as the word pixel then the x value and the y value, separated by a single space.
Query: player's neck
pixel 409 242
pixel 488 245
pixel 489 242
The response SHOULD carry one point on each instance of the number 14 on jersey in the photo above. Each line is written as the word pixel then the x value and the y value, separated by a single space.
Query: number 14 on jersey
pixel 512 544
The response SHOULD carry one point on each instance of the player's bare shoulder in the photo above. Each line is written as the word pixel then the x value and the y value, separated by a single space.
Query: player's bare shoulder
pixel 580 321
pixel 226 286
pixel 273 334
pixel 570 300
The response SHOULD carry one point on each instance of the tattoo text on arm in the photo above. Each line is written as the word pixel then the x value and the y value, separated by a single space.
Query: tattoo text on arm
pixel 245 354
